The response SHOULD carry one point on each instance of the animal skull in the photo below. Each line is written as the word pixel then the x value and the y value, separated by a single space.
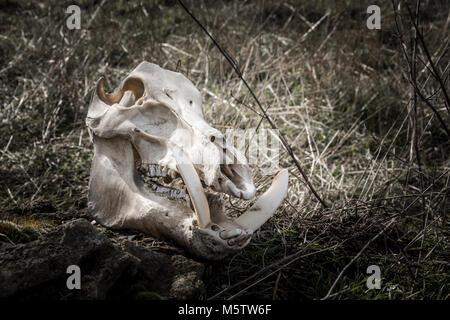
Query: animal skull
pixel 153 156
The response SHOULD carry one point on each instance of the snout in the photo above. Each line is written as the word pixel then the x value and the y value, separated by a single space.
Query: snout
pixel 226 170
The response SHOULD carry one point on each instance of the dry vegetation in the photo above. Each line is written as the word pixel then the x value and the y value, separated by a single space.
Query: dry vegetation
pixel 341 95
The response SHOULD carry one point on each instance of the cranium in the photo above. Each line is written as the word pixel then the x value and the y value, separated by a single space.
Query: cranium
pixel 154 156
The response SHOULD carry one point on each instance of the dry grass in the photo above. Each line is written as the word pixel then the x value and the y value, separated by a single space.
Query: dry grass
pixel 337 91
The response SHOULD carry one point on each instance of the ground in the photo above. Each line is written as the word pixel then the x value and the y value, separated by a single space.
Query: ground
pixel 341 95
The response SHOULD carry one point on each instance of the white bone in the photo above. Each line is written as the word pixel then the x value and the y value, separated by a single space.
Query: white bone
pixel 128 99
pixel 153 121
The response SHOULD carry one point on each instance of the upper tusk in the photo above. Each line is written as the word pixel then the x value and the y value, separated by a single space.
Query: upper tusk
pixel 194 186
pixel 247 193
pixel 266 205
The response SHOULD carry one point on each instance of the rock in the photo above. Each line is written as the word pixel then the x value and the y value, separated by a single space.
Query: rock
pixel 173 276
pixel 32 265
pixel 37 269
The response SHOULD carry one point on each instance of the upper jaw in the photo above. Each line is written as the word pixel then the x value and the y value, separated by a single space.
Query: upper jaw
pixel 166 182
pixel 260 212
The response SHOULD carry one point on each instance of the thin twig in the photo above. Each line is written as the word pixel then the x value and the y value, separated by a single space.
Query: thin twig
pixel 430 60
pixel 418 91
pixel 266 116
pixel 356 257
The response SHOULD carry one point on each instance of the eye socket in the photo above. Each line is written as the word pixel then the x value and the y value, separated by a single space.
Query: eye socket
pixel 212 138
pixel 190 101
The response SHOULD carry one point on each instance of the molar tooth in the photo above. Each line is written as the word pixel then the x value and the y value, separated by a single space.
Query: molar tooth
pixel 176 194
pixel 158 171
pixel 155 171
pixel 151 170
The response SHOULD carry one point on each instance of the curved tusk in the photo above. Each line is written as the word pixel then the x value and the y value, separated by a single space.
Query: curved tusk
pixel 266 205
pixel 194 186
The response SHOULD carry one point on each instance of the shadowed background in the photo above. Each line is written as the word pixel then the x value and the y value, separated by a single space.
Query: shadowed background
pixel 340 93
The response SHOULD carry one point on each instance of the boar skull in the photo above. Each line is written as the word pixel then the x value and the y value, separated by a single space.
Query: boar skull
pixel 154 156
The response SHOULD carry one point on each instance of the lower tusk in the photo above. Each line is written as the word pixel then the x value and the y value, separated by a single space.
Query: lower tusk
pixel 266 205
pixel 194 187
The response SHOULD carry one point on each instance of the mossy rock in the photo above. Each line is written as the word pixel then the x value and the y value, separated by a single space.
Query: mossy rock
pixel 12 232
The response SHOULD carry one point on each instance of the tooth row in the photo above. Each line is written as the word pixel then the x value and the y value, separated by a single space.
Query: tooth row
pixel 157 171
pixel 173 193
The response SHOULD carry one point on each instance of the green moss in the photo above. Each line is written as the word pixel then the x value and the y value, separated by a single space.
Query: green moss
pixel 12 232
